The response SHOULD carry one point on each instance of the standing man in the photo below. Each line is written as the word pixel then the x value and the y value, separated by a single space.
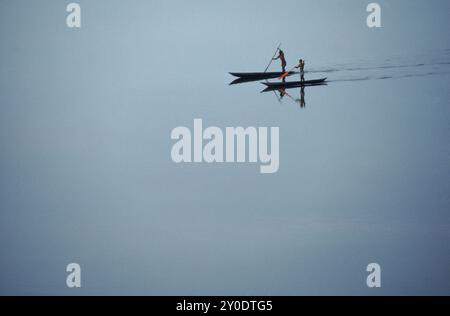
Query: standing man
pixel 301 66
pixel 283 60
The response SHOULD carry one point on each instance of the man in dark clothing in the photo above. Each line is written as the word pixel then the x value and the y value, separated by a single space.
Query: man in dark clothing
pixel 283 60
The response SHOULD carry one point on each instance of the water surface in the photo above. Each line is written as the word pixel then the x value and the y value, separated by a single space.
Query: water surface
pixel 86 174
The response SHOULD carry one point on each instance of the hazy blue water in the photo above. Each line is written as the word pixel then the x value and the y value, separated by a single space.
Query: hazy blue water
pixel 86 174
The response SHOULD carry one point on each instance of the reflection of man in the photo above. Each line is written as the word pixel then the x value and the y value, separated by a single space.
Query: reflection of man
pixel 283 60
pixel 302 97
pixel 283 93
pixel 301 101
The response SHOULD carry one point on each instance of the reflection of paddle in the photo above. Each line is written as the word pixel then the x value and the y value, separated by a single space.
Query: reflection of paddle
pixel 286 73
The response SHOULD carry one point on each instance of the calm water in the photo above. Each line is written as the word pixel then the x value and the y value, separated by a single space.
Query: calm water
pixel 86 173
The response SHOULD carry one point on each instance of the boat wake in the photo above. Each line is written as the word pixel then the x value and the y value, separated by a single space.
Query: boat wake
pixel 397 67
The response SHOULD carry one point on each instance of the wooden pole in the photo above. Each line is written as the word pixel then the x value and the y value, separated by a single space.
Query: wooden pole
pixel 271 59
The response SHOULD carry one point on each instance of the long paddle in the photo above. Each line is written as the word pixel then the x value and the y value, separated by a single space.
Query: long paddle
pixel 270 63
pixel 271 60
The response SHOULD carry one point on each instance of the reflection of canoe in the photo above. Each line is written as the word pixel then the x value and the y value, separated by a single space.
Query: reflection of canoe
pixel 244 80
pixel 292 84
pixel 279 86
pixel 254 76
